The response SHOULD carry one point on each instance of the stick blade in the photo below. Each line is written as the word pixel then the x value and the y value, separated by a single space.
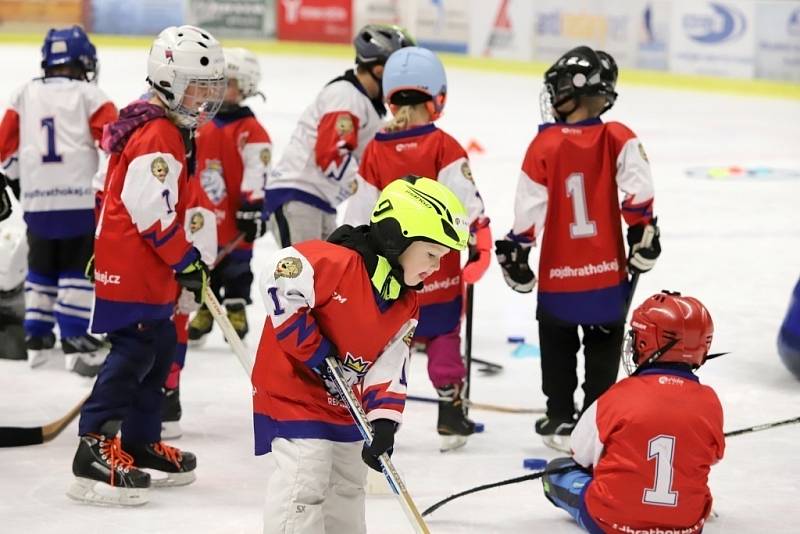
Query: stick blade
pixel 20 437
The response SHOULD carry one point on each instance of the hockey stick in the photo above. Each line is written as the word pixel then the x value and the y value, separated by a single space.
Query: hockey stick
pixel 532 476
pixel 480 406
pixel 14 436
pixel 364 426
pixel 468 345
pixel 233 339
pixel 227 249
pixel 765 426
pixel 488 367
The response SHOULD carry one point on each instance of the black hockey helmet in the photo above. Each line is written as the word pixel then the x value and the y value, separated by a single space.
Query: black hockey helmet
pixel 374 43
pixel 581 72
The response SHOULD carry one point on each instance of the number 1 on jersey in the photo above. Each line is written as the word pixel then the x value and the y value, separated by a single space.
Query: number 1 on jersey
pixel 662 448
pixel 52 156
pixel 582 227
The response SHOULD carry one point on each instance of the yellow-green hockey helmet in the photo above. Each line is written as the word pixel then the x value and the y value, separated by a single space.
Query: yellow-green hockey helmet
pixel 418 209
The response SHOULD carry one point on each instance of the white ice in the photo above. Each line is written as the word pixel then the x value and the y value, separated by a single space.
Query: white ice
pixel 733 244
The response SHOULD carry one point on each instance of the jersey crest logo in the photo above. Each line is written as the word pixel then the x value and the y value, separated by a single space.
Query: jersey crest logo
pixel 265 156
pixel 213 181
pixel 338 298
pixel 159 168
pixel 643 153
pixel 356 364
pixel 467 172
pixel 196 222
pixel 344 125
pixel 409 336
pixel 288 268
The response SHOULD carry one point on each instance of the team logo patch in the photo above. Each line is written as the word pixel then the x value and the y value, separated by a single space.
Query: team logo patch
pixel 643 153
pixel 288 268
pixel 356 364
pixel 265 156
pixel 409 336
pixel 159 168
pixel 467 172
pixel 196 222
pixel 213 181
pixel 344 124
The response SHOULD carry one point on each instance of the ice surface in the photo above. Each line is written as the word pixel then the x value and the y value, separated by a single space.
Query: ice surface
pixel 734 244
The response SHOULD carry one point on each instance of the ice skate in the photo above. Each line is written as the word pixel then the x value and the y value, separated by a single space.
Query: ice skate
pixel 171 415
pixel 556 432
pixel 105 474
pixel 39 348
pixel 84 354
pixel 199 327
pixel 453 424
pixel 171 466
pixel 237 316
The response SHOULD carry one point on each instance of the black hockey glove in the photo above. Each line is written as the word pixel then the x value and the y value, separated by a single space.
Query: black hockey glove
pixel 194 278
pixel 382 442
pixel 513 259
pixel 249 221
pixel 5 200
pixel 645 247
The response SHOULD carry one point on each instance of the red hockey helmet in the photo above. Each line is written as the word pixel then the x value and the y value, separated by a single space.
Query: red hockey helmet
pixel 669 327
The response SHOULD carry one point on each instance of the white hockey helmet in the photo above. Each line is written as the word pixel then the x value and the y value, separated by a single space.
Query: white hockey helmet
pixel 13 254
pixel 242 65
pixel 186 69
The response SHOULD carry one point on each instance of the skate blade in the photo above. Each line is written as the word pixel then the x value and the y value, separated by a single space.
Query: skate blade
pixel 86 364
pixel 168 480
pixel 377 484
pixel 100 493
pixel 559 443
pixel 171 430
pixel 451 443
pixel 37 358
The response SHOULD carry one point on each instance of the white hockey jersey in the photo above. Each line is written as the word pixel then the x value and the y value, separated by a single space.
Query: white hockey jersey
pixel 48 141
pixel 320 165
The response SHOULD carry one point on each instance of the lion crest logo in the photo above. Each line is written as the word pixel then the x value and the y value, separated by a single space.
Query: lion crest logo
pixel 467 172
pixel 265 156
pixel 159 168
pixel 196 222
pixel 409 336
pixel 288 268
pixel 344 124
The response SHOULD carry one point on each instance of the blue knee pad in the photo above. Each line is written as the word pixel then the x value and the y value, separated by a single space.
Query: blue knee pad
pixel 565 490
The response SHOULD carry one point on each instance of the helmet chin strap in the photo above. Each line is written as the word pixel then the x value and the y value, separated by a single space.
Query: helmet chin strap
pixel 657 354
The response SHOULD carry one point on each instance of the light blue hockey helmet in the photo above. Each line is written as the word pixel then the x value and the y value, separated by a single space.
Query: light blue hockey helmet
pixel 413 75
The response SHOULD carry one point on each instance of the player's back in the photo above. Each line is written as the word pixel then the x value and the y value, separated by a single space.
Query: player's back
pixel 661 432
pixel 57 153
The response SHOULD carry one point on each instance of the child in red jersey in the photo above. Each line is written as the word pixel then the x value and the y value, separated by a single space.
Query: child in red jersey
pixel 569 187
pixel 642 452
pixel 415 85
pixel 233 157
pixel 143 261
pixel 350 298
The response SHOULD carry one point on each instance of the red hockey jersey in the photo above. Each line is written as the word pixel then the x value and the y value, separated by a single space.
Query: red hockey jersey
pixel 233 156
pixel 430 152
pixel 320 301
pixel 140 241
pixel 568 187
pixel 651 439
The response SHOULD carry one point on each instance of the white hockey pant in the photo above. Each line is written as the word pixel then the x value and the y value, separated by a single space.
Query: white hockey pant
pixel 317 488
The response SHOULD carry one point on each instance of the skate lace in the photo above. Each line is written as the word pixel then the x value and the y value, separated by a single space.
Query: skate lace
pixel 171 454
pixel 112 452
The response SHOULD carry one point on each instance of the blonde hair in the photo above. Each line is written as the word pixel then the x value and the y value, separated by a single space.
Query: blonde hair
pixel 405 116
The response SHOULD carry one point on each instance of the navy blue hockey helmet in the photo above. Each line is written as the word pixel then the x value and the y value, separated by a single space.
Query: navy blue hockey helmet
pixel 69 46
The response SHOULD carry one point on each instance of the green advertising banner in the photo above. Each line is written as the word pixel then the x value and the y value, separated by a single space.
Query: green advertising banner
pixel 234 18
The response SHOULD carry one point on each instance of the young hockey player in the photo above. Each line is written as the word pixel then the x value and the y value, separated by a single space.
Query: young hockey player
pixel 318 169
pixel 642 452
pixel 568 188
pixel 233 156
pixel 415 86
pixel 48 142
pixel 142 259
pixel 321 298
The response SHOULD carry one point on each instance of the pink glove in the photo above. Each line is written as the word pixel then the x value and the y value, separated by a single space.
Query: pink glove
pixel 480 251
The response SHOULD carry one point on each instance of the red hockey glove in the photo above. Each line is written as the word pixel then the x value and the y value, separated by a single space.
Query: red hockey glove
pixel 480 251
